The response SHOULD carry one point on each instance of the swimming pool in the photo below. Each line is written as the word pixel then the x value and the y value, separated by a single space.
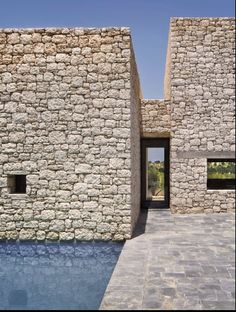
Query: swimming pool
pixel 55 275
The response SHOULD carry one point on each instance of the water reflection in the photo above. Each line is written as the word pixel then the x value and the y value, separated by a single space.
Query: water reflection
pixel 55 276
pixel 18 298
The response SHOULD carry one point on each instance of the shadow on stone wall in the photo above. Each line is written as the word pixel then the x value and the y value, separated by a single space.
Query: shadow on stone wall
pixel 141 224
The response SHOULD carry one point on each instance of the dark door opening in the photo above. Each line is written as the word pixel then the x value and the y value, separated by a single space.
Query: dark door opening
pixel 155 173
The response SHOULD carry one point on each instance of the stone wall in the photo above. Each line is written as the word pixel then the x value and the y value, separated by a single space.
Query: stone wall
pixel 155 118
pixel 65 102
pixel 202 110
pixel 135 141
pixel 71 120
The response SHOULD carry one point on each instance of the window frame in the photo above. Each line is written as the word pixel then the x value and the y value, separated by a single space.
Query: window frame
pixel 220 184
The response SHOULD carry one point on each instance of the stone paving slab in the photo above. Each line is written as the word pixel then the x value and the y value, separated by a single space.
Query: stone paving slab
pixel 176 262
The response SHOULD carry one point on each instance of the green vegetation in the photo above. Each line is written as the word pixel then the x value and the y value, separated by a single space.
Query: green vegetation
pixel 156 177
pixel 221 170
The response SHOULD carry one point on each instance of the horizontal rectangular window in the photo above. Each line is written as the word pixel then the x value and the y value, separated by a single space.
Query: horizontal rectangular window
pixel 221 174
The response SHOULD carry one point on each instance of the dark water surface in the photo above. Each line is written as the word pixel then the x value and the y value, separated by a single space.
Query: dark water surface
pixel 55 275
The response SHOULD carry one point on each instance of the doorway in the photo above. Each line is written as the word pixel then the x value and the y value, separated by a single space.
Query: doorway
pixel 155 173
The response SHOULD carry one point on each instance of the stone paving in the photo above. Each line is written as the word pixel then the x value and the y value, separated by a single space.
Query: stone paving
pixel 176 262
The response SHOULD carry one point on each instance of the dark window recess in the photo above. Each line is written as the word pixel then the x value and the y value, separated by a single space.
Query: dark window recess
pixel 16 184
pixel 155 172
pixel 221 174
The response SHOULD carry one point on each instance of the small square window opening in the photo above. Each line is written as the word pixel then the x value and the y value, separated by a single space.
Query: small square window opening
pixel 16 184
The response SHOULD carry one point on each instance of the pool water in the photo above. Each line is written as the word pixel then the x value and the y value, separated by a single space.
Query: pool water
pixel 50 276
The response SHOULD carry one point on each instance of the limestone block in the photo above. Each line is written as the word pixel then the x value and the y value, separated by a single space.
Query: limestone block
pixel 60 156
pixel 46 174
pixel 39 48
pixel 83 168
pixel 74 214
pixel 57 137
pixel 121 133
pixel 80 188
pixel 17 137
pixel 27 234
pixel 31 224
pixel 48 76
pixel 77 82
pixel 10 226
pixel 99 58
pixel 28 97
pixel 52 236
pixel 56 104
pixel 57 226
pixel 84 234
pixel 61 194
pixel 13 38
pixel 28 215
pixel 66 236
pixel 59 38
pixel 6 77
pixel 90 225
pixel 20 118
pixel 110 190
pixel 104 68
pixel 116 163
pixel 47 215
pixel 26 38
pixel 40 235
pixel 103 228
pixel 62 57
pixel 90 206
pixel 3 182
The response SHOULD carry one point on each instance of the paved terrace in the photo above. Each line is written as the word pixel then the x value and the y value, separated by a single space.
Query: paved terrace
pixel 176 262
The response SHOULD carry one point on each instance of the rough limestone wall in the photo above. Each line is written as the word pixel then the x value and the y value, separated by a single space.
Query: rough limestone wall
pixel 202 110
pixel 65 123
pixel 155 118
pixel 135 141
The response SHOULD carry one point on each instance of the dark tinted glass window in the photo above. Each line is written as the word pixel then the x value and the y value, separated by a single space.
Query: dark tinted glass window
pixel 220 173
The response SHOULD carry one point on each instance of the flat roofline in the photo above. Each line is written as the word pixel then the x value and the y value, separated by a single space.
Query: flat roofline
pixel 145 99
pixel 202 18
pixel 89 29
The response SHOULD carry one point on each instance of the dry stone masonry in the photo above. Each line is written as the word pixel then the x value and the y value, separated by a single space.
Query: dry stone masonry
pixel 202 96
pixel 155 118
pixel 72 116
pixel 65 124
